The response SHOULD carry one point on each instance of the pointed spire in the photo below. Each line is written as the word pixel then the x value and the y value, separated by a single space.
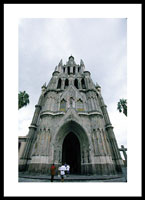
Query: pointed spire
pixel 60 63
pixel 44 85
pixel 82 63
pixel 71 57
pixel 59 66
pixel 55 68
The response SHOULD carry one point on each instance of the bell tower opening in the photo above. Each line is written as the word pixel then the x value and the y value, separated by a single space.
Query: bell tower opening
pixel 71 153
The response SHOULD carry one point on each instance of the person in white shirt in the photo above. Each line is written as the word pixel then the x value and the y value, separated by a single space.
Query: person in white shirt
pixel 62 172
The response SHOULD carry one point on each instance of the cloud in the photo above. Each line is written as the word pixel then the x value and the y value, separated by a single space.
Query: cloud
pixel 101 43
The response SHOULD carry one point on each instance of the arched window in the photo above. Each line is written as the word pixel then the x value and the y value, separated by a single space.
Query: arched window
pixel 74 70
pixel 64 70
pixel 68 70
pixel 80 106
pixel 83 84
pixel 76 83
pixel 59 84
pixel 79 69
pixel 66 83
pixel 63 105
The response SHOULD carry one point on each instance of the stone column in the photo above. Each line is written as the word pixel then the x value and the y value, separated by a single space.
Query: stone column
pixel 106 142
pixel 63 82
pixel 79 83
pixel 86 79
pixel 71 69
pixel 89 104
pixel 114 149
pixel 112 140
pixel 36 114
pixel 26 153
pixel 92 102
pixel 28 147
pixel 103 142
pixel 52 103
pixel 95 142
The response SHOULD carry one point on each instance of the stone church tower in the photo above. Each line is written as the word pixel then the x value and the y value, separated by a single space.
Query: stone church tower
pixel 71 124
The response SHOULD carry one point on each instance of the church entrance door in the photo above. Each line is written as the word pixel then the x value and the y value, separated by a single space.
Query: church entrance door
pixel 71 153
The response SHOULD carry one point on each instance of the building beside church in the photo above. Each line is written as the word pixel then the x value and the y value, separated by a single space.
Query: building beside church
pixel 71 124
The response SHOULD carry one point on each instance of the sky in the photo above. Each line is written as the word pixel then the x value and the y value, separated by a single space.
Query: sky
pixel 100 42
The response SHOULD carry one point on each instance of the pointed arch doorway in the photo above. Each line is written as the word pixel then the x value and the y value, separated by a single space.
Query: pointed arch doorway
pixel 71 153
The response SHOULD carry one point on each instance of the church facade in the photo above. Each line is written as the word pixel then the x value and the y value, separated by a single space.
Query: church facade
pixel 71 125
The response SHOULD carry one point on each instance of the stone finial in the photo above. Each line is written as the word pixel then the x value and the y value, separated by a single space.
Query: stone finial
pixel 71 58
pixel 60 63
pixel 98 88
pixel 81 62
pixel 43 88
pixel 44 85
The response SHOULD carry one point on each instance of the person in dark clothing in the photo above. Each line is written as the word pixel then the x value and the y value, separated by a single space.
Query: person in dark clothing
pixel 52 170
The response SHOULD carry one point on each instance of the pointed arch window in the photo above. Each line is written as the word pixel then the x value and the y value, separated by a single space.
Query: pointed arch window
pixel 63 105
pixel 76 83
pixel 74 70
pixel 66 84
pixel 79 69
pixel 83 83
pixel 59 84
pixel 68 70
pixel 80 106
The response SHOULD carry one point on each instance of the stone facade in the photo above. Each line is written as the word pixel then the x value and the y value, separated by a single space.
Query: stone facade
pixel 71 124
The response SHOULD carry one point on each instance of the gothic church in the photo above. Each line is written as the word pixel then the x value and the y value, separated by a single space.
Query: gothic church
pixel 71 124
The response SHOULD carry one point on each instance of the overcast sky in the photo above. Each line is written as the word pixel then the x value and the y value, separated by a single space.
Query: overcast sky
pixel 100 43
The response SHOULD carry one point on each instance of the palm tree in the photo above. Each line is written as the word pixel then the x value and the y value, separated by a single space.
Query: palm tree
pixel 23 99
pixel 122 106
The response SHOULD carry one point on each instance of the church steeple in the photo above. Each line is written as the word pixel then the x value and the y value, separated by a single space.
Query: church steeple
pixel 71 104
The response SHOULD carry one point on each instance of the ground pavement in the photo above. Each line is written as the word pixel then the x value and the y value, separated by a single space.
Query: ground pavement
pixel 25 177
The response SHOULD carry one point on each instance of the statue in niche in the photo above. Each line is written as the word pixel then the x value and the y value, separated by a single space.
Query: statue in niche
pixel 72 102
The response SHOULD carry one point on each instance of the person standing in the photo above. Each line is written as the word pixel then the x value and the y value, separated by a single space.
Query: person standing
pixel 52 170
pixel 62 172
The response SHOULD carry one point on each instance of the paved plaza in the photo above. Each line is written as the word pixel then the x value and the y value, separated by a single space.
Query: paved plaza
pixel 71 178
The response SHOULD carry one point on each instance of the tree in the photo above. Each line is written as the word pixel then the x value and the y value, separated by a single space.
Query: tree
pixel 122 106
pixel 23 99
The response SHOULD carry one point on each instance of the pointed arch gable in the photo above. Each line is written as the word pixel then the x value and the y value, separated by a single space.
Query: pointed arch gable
pixel 66 128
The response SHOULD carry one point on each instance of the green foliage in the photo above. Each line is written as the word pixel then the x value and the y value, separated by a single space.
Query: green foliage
pixel 122 106
pixel 23 99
